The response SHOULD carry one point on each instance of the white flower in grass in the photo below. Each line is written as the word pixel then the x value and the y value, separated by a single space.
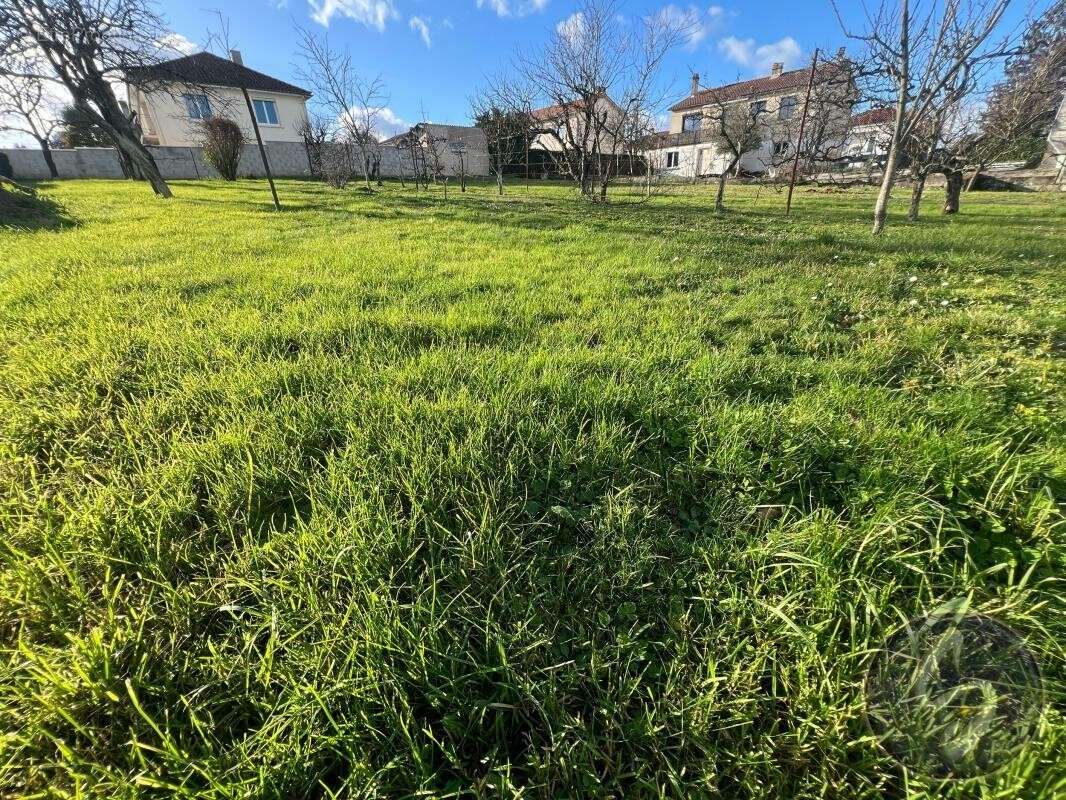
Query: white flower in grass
pixel 912 279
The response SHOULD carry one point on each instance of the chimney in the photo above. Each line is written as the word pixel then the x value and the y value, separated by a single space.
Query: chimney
pixel 695 83
pixel 235 57
pixel 777 69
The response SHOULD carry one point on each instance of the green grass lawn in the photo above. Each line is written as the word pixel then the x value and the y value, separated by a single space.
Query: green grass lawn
pixel 394 496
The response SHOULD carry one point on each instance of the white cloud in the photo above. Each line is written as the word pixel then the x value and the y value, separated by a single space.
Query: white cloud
pixel 176 43
pixel 386 122
pixel 447 23
pixel 513 8
pixel 389 123
pixel 696 23
pixel 419 26
pixel 372 13
pixel 572 28
pixel 759 58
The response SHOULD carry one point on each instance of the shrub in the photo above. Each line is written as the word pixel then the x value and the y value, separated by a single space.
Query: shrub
pixel 5 167
pixel 336 164
pixel 223 141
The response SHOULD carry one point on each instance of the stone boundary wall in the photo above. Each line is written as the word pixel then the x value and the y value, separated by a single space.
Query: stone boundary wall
pixel 287 159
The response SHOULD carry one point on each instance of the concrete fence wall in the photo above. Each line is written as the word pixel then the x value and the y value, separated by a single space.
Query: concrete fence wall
pixel 287 159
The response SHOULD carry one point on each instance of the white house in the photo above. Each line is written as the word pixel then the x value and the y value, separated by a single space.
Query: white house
pixel 562 125
pixel 869 135
pixel 687 150
pixel 185 91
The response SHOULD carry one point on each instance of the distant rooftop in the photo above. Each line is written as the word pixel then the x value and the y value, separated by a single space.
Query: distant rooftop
pixel 875 116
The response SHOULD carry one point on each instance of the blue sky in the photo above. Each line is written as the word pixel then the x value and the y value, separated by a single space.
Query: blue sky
pixel 433 53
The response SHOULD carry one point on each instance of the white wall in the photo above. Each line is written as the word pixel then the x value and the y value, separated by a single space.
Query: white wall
pixel 867 141
pixel 607 143
pixel 704 159
pixel 165 120
pixel 287 159
pixel 1056 142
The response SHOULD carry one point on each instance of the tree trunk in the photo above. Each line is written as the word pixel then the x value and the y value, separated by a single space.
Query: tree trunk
pixel 916 197
pixel 889 178
pixel 46 151
pixel 952 190
pixel 970 184
pixel 499 181
pixel 366 172
pixel 121 131
pixel 719 204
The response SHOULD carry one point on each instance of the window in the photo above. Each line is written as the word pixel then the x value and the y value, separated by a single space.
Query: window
pixel 691 122
pixel 787 107
pixel 781 148
pixel 672 159
pixel 197 106
pixel 266 112
pixel 758 107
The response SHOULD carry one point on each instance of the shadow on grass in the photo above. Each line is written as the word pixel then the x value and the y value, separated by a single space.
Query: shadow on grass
pixel 823 228
pixel 26 212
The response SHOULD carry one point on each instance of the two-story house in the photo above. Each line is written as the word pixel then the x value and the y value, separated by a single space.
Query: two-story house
pixel 869 135
pixel 562 126
pixel 186 91
pixel 688 149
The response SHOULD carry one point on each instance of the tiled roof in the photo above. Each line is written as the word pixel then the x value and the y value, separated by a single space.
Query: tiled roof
pixel 875 116
pixel 792 79
pixel 207 69
pixel 549 113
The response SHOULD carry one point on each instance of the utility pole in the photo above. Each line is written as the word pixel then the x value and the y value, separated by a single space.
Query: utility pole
pixel 262 149
pixel 799 140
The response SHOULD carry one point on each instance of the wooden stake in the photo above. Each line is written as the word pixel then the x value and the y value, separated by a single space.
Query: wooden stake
pixel 262 149
pixel 799 140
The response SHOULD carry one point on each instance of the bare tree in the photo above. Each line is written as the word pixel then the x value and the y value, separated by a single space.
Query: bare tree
pixel 737 128
pixel 433 150
pixel 356 103
pixel 25 107
pixel 597 55
pixel 411 144
pixel 1021 108
pixel 317 132
pixel 501 109
pixel 338 157
pixel 915 50
pixel 810 133
pixel 84 45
